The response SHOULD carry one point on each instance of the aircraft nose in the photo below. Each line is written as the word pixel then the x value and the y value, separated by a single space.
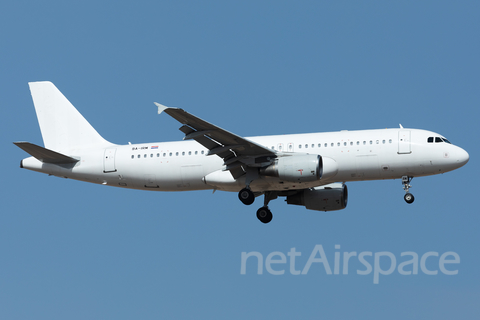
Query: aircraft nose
pixel 461 157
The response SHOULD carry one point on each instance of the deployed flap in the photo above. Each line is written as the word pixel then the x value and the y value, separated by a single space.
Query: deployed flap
pixel 45 155
pixel 220 142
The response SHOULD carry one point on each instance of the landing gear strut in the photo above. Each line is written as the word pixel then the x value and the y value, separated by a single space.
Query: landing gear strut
pixel 246 195
pixel 409 198
pixel 264 214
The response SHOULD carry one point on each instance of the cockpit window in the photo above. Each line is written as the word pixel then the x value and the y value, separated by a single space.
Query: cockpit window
pixel 437 140
pixel 446 140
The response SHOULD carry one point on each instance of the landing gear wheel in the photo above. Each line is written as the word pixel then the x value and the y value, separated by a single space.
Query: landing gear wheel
pixel 246 196
pixel 264 215
pixel 409 198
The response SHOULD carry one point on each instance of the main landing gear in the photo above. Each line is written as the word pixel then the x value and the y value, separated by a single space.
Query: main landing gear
pixel 246 196
pixel 409 198
pixel 263 214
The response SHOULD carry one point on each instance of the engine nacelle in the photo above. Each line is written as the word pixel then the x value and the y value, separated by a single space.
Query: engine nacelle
pixel 301 168
pixel 330 197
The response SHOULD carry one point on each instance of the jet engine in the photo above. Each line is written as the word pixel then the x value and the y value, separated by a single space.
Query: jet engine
pixel 329 197
pixel 301 168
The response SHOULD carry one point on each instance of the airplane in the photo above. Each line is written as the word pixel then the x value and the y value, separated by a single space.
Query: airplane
pixel 309 170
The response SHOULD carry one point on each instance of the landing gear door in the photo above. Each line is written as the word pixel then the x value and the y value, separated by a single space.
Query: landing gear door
pixel 109 160
pixel 404 142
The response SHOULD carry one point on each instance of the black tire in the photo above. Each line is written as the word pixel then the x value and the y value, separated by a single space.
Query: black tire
pixel 264 215
pixel 246 196
pixel 409 198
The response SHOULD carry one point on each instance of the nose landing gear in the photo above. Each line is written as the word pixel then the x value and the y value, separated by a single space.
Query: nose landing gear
pixel 409 198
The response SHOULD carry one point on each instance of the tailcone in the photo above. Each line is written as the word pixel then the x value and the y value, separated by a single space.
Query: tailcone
pixel 32 164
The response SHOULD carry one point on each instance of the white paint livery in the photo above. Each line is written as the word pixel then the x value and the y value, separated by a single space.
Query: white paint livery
pixel 304 168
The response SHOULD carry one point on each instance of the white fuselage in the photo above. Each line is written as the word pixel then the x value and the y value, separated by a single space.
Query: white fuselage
pixel 184 165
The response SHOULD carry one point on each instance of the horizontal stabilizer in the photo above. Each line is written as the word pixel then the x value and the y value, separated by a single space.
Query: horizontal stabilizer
pixel 45 155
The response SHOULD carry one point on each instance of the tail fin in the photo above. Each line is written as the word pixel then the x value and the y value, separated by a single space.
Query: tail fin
pixel 63 127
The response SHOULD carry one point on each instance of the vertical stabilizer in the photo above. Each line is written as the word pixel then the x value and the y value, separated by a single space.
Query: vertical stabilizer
pixel 63 127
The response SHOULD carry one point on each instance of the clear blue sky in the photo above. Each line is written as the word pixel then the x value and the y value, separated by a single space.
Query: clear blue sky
pixel 72 250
